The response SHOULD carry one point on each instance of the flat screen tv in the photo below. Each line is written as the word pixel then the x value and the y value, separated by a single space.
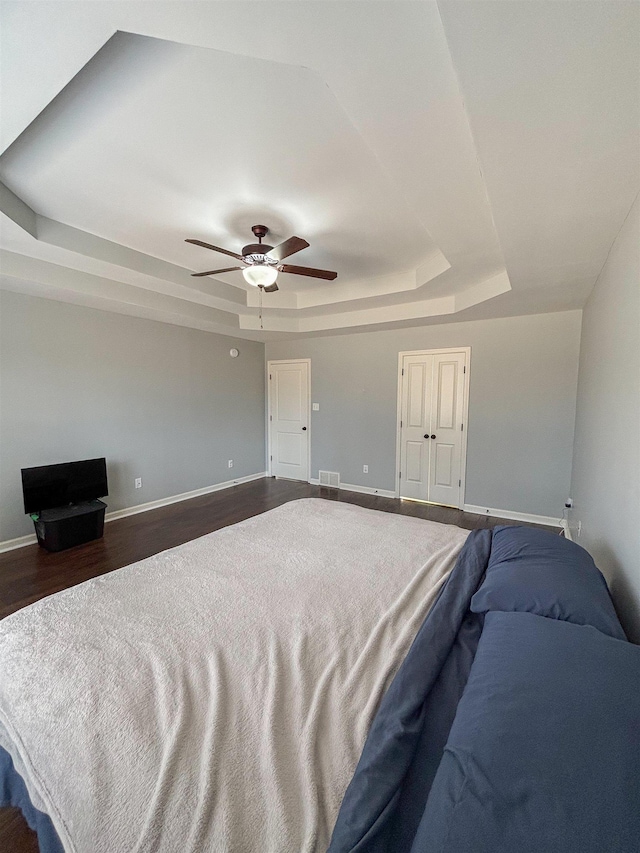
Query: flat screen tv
pixel 52 486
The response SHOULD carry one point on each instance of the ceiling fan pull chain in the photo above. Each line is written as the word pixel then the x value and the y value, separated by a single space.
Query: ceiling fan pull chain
pixel 261 289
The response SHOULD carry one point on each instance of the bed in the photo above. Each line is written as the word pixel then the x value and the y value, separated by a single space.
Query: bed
pixel 216 696
pixel 328 677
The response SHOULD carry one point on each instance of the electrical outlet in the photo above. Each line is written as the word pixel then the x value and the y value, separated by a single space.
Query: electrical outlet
pixel 230 463
pixel 138 482
pixel 568 503
pixel 365 469
pixel 316 407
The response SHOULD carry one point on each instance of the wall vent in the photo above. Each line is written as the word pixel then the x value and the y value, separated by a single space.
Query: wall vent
pixel 330 479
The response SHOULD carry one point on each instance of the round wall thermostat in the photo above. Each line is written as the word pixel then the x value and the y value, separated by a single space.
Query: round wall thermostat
pixel 234 353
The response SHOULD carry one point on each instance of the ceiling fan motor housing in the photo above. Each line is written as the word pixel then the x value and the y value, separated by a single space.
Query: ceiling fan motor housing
pixel 260 232
pixel 255 249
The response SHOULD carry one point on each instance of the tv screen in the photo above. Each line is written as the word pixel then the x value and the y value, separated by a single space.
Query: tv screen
pixel 51 486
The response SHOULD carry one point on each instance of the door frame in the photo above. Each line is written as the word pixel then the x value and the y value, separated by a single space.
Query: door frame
pixel 465 414
pixel 269 420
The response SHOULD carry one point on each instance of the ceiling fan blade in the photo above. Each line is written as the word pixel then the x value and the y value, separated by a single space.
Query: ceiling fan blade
pixel 272 288
pixel 215 248
pixel 329 276
pixel 289 247
pixel 213 272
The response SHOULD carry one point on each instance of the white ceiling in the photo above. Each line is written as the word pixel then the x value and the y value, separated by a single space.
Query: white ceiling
pixel 449 161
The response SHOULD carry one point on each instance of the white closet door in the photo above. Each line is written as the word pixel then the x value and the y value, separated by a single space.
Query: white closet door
pixel 445 444
pixel 289 419
pixel 431 426
pixel 415 419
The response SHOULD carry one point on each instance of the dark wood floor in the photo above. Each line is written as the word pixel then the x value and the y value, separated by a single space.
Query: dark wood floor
pixel 30 573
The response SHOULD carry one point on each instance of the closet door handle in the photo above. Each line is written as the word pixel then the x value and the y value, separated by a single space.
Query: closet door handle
pixel 433 436
pixel 427 436
pixel 303 428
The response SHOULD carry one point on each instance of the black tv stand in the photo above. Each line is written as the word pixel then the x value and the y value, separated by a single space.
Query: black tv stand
pixel 65 526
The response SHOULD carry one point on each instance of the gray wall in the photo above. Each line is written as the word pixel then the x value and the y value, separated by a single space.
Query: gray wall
pixel 521 407
pixel 161 402
pixel 606 463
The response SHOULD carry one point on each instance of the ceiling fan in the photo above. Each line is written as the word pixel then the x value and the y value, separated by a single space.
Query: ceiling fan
pixel 261 263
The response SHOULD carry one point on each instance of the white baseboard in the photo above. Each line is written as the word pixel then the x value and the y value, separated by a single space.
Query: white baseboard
pixel 514 516
pixel 364 490
pixel 19 542
pixel 477 510
pixel 185 496
pixel 564 524
pixel 31 539
pixel 367 490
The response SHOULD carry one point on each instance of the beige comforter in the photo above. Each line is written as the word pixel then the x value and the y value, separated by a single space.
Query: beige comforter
pixel 216 697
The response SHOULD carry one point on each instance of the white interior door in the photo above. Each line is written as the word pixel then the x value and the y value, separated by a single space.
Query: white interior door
pixel 432 436
pixel 289 419
pixel 416 423
pixel 445 442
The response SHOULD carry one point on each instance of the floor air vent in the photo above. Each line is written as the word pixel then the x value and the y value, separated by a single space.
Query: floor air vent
pixel 330 478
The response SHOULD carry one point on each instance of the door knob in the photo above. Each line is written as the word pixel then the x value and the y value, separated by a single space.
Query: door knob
pixel 427 436
pixel 433 436
pixel 303 427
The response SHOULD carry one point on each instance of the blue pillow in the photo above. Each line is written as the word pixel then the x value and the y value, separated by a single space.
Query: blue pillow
pixel 536 571
pixel 544 751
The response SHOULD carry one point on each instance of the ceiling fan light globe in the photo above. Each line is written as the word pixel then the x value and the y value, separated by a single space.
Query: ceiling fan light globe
pixel 259 275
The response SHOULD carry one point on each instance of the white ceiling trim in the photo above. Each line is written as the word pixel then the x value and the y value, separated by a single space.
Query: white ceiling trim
pixel 45 273
pixel 421 310
pixel 116 306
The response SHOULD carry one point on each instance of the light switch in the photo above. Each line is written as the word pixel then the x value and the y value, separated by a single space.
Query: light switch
pixel 315 407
